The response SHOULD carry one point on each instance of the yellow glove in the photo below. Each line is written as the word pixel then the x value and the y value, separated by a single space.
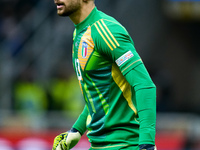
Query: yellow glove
pixel 66 141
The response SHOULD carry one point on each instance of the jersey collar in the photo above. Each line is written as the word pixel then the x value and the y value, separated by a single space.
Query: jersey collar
pixel 88 21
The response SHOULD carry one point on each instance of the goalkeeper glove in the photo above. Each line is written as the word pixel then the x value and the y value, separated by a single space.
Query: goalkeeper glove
pixel 67 140
pixel 147 147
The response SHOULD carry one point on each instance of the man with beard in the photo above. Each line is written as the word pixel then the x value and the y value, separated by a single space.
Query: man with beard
pixel 120 97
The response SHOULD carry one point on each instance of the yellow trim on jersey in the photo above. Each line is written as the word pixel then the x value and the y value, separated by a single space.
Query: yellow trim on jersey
pixel 80 86
pixel 123 85
pixel 74 34
pixel 103 37
pixel 106 34
pixel 90 47
pixel 110 32
pixel 103 101
pixel 90 98
pixel 109 146
pixel 131 64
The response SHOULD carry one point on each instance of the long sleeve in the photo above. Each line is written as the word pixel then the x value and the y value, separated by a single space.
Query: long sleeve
pixel 145 92
pixel 80 123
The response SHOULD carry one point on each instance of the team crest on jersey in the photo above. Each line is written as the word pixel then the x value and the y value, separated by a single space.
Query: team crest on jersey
pixel 124 58
pixel 84 49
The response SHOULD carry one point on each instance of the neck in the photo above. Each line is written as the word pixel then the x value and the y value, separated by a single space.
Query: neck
pixel 81 14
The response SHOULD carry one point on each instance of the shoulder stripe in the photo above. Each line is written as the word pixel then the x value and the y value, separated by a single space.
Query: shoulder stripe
pixel 103 36
pixel 106 34
pixel 110 32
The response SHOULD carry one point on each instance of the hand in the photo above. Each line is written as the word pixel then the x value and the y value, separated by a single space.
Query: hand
pixel 66 141
pixel 147 147
pixel 57 141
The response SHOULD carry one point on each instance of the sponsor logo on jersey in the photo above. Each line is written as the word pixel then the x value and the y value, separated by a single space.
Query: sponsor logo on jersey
pixel 124 58
pixel 84 49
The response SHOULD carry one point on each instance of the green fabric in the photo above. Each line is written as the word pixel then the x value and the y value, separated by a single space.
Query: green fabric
pixel 146 102
pixel 103 52
pixel 129 147
pixel 80 123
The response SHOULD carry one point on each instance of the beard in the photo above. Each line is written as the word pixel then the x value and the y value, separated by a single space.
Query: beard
pixel 64 9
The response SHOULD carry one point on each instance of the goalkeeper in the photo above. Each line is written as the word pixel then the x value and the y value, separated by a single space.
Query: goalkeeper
pixel 120 97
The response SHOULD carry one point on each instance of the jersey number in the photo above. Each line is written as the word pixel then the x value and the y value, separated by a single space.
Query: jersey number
pixel 78 69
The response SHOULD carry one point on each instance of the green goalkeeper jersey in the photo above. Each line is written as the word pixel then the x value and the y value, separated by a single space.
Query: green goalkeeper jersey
pixel 103 53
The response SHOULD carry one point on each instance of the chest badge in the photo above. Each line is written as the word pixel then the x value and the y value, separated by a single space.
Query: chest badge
pixel 84 49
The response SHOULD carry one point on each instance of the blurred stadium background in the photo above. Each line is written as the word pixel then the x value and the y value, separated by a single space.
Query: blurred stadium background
pixel 39 93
